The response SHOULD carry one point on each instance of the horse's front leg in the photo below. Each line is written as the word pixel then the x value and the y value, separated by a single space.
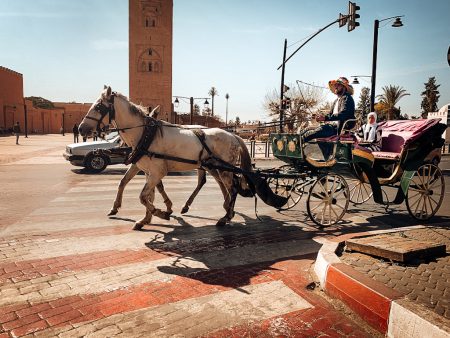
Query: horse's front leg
pixel 131 172
pixel 147 198
pixel 230 191
pixel 201 180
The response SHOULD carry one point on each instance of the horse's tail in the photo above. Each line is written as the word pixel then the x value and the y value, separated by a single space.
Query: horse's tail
pixel 245 188
pixel 252 183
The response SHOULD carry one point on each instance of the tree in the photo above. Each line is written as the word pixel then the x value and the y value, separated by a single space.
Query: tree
pixel 238 121
pixel 363 107
pixel 390 97
pixel 40 102
pixel 430 97
pixel 196 109
pixel 303 101
pixel 213 92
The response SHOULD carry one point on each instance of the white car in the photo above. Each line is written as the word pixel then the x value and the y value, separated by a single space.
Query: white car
pixel 85 154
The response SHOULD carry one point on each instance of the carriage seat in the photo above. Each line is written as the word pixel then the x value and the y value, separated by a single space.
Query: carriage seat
pixel 392 143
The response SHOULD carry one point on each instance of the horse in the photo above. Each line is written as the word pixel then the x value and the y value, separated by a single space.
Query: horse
pixel 133 170
pixel 172 149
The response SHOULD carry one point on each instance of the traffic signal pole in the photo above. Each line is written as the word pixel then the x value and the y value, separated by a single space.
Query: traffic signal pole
pixel 352 24
pixel 282 107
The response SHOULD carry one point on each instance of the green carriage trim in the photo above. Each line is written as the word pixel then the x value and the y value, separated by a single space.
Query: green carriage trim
pixel 286 146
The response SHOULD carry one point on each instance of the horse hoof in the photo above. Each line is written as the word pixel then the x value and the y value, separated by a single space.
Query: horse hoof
pixel 138 226
pixel 113 212
pixel 184 210
pixel 221 223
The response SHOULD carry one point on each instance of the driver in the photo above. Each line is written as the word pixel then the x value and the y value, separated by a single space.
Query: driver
pixel 343 109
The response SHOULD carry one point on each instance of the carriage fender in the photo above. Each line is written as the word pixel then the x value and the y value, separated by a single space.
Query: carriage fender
pixel 406 180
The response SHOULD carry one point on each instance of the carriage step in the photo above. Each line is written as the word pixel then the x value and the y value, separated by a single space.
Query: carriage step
pixel 395 248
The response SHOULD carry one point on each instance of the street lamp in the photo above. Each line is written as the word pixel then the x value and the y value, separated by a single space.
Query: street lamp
pixel 397 23
pixel 191 99
pixel 355 78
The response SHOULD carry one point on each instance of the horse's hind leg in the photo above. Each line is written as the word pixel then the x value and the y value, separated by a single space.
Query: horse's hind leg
pixel 229 192
pixel 201 180
pixel 167 201
pixel 131 172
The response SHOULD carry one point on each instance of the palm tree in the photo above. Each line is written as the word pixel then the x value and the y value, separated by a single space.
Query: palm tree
pixel 390 97
pixel 227 96
pixel 213 92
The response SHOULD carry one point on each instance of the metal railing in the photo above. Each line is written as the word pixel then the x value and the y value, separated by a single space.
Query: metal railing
pixel 259 149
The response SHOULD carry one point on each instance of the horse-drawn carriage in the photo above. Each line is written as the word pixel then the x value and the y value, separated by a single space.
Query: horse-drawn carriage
pixel 323 168
pixel 349 172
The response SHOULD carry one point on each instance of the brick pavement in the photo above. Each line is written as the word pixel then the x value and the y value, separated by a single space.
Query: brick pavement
pixel 67 270
pixel 422 281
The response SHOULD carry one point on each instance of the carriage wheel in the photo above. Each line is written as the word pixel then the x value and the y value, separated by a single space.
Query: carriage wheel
pixel 328 199
pixel 360 191
pixel 289 187
pixel 426 192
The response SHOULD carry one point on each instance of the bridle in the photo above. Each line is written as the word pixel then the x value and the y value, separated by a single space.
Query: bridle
pixel 104 110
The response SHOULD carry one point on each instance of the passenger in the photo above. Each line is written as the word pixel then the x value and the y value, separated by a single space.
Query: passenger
pixel 343 109
pixel 369 136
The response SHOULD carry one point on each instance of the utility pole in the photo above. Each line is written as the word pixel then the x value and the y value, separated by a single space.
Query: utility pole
pixel 282 87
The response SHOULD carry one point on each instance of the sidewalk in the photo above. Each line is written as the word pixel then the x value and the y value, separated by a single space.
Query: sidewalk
pixel 34 145
pixel 400 300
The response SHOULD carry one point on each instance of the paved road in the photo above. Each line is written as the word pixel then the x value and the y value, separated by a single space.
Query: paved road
pixel 67 269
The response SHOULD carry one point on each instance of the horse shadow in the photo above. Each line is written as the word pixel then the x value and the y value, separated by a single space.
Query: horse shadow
pixel 231 256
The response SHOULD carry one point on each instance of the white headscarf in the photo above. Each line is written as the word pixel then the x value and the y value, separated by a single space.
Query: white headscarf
pixel 370 129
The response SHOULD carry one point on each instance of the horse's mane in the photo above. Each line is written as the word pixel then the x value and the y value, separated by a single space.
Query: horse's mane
pixel 134 108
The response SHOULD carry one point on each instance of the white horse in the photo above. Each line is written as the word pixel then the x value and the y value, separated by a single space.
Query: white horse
pixel 133 170
pixel 172 149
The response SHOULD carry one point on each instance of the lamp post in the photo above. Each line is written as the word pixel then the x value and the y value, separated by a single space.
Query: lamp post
pixel 397 23
pixel 25 118
pixel 191 103
pixel 227 96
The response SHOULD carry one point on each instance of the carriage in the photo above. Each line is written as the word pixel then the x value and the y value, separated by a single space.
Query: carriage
pixel 337 170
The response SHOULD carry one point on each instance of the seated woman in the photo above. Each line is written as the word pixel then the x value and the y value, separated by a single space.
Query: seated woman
pixel 369 136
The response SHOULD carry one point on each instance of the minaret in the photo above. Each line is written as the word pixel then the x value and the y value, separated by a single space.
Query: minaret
pixel 150 54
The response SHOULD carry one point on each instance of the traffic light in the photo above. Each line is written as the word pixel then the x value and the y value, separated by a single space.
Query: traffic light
pixel 352 16
pixel 342 20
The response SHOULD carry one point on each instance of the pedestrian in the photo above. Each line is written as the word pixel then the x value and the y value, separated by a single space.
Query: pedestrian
pixel 16 131
pixel 75 133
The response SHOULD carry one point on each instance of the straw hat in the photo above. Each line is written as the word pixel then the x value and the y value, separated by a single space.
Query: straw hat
pixel 343 81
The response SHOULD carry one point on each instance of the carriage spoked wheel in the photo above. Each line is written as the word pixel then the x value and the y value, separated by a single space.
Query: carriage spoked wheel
pixel 288 186
pixel 328 200
pixel 426 192
pixel 360 190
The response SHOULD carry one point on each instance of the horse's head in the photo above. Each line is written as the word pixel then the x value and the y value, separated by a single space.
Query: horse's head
pixel 103 106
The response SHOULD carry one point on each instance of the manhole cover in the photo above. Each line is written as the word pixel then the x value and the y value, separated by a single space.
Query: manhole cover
pixel 395 248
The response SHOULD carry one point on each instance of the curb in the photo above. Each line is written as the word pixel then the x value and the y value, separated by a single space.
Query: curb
pixel 383 308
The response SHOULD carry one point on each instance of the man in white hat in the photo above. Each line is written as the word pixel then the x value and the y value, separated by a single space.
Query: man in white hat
pixel 343 109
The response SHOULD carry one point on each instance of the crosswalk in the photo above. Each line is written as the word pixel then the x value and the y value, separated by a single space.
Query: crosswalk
pixel 68 270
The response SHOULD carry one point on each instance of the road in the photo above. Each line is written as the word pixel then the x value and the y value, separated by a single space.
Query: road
pixel 68 269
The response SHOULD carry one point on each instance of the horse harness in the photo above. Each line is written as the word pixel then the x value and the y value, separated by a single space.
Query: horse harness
pixel 151 127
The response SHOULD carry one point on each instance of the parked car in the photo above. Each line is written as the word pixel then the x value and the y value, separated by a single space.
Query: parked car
pixel 86 154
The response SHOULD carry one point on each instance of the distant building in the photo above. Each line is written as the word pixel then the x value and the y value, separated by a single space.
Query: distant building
pixel 445 118
pixel 150 54
pixel 11 98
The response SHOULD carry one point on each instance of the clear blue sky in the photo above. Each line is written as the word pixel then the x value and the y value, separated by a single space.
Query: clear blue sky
pixel 67 50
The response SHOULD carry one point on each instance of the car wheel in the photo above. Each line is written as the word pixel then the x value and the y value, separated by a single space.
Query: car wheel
pixel 96 163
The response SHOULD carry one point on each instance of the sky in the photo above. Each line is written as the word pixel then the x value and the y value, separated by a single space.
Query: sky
pixel 67 50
